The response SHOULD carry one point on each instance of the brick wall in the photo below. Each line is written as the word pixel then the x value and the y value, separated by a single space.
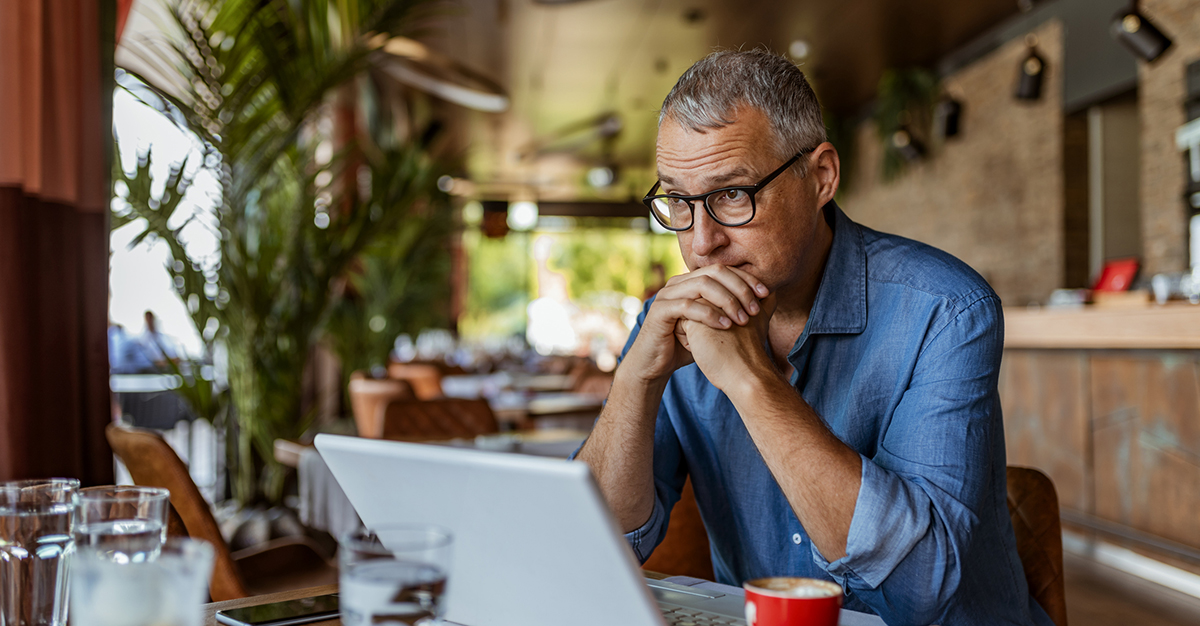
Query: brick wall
pixel 1161 90
pixel 993 195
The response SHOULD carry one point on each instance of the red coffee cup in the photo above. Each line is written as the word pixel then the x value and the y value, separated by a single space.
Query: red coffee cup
pixel 789 601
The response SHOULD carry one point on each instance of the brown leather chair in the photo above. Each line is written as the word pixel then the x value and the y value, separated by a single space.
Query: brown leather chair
pixel 684 551
pixel 443 418
pixel 426 379
pixel 367 397
pixel 279 565
pixel 1033 507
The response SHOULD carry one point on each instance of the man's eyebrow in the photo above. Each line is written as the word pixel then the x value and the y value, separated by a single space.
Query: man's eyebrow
pixel 714 182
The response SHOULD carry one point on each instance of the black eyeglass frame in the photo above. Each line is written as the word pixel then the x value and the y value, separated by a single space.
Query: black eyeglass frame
pixel 750 190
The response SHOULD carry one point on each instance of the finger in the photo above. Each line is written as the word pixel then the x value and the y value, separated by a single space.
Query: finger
pixel 755 284
pixel 681 337
pixel 696 310
pixel 713 295
pixel 723 289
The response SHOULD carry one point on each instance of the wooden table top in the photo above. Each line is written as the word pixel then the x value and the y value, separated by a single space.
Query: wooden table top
pixel 210 610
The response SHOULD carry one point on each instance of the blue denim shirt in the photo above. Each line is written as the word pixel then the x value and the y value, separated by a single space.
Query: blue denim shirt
pixel 900 357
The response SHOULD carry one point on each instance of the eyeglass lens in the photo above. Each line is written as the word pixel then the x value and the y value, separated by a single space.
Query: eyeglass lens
pixel 728 206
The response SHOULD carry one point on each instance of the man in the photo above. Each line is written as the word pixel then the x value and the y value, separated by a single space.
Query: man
pixel 831 390
pixel 151 352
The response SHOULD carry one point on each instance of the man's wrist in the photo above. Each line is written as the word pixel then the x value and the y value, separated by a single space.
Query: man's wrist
pixel 628 379
pixel 758 382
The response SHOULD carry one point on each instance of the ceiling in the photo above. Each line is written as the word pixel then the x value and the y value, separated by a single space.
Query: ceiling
pixel 569 67
pixel 565 64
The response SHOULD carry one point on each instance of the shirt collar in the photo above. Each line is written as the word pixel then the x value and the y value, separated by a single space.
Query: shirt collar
pixel 841 302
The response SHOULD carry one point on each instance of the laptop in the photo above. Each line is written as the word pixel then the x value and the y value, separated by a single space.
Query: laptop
pixel 534 542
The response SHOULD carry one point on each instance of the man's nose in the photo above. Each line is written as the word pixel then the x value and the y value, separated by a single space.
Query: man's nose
pixel 707 235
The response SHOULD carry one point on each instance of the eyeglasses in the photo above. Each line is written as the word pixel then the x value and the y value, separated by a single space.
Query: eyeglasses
pixel 728 206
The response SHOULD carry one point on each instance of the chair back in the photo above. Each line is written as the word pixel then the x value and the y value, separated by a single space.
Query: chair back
pixel 444 418
pixel 426 379
pixel 152 463
pixel 1033 508
pixel 685 550
pixel 598 384
pixel 367 396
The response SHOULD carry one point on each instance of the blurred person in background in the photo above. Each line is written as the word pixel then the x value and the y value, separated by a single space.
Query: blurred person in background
pixel 152 352
pixel 830 390
pixel 117 338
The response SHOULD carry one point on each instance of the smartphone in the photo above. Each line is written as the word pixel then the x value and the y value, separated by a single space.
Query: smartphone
pixel 289 613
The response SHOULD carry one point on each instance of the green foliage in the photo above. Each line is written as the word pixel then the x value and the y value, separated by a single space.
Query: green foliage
pixel 597 257
pixel 906 100
pixel 252 78
pixel 499 281
pixel 400 284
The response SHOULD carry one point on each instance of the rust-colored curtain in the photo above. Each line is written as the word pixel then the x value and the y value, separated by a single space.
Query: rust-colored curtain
pixel 55 137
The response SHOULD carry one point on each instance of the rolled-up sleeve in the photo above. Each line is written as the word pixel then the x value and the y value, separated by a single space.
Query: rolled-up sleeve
pixel 930 480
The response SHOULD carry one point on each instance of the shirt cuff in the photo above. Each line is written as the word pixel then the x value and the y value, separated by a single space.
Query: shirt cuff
pixel 890 517
pixel 643 540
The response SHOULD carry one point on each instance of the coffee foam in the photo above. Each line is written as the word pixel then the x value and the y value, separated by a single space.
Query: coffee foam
pixel 797 587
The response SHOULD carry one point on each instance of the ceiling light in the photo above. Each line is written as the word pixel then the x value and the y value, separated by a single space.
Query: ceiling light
pixel 522 215
pixel 601 177
pixel 1135 32
pixel 412 63
pixel 799 49
pixel 907 146
pixel 472 213
pixel 1030 73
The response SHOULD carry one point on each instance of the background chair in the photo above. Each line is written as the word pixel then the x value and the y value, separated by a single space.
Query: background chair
pixel 279 565
pixel 684 551
pixel 425 378
pixel 368 395
pixel 1033 508
pixel 444 418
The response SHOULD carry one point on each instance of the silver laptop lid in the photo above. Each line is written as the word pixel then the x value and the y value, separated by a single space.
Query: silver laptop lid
pixel 534 543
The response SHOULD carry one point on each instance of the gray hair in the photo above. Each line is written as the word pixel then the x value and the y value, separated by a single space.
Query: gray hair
pixel 710 92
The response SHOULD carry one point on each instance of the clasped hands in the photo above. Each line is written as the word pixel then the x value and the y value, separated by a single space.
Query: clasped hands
pixel 716 316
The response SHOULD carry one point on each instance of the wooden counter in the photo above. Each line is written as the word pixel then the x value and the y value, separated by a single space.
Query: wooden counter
pixel 1172 326
pixel 1106 401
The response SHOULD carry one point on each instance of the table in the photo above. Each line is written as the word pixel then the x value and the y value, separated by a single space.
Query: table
pixel 849 618
pixel 210 610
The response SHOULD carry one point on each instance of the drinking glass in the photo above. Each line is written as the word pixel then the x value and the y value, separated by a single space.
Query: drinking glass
pixel 127 524
pixel 168 591
pixel 35 551
pixel 394 573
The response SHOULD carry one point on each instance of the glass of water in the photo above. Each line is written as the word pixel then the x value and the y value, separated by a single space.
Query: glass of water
pixel 35 550
pixel 168 591
pixel 394 574
pixel 126 524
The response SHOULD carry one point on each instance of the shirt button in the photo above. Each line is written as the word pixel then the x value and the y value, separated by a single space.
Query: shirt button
pixel 797 539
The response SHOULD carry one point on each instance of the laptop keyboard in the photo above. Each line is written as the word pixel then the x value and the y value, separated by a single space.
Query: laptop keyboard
pixel 680 616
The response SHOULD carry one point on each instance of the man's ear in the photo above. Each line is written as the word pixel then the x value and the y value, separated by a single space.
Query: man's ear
pixel 825 172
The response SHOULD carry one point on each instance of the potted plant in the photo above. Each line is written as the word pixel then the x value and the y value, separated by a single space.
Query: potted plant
pixel 257 82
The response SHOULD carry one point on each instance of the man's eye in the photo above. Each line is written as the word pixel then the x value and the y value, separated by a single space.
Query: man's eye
pixel 735 195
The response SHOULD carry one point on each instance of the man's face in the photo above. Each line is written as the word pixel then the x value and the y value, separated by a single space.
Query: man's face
pixel 770 246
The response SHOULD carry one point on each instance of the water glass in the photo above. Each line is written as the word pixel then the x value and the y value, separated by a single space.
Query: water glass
pixel 168 591
pixel 35 551
pixel 126 524
pixel 395 574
